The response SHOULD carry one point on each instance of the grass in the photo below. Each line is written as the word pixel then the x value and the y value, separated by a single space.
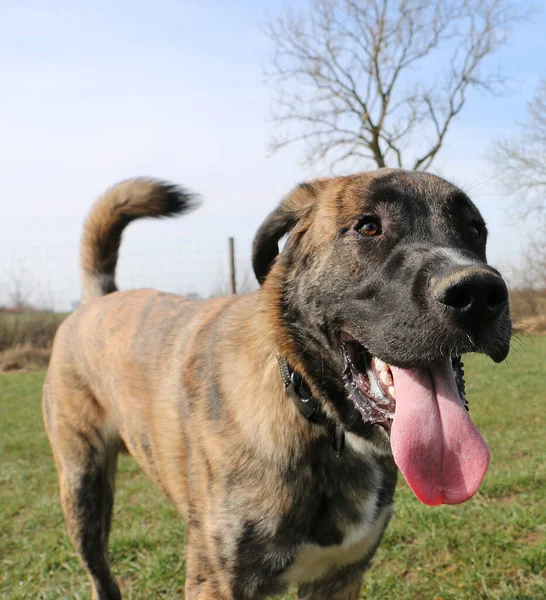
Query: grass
pixel 493 547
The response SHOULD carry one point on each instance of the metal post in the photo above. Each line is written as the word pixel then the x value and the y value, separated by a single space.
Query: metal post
pixel 232 274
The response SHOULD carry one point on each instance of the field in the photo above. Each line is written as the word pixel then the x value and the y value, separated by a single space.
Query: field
pixel 493 547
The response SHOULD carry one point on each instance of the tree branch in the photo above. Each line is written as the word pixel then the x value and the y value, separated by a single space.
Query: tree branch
pixel 349 67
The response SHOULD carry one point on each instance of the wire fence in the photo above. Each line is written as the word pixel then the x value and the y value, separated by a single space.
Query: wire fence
pixel 48 278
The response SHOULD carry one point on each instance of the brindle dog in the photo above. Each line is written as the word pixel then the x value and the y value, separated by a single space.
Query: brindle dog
pixel 381 286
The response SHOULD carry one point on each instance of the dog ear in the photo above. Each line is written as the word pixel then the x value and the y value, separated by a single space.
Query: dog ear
pixel 293 207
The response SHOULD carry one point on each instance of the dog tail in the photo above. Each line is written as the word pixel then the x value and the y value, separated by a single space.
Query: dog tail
pixel 112 212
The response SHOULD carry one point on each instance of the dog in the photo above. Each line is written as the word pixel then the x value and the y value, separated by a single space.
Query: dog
pixel 277 421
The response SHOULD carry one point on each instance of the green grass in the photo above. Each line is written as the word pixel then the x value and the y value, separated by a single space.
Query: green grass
pixel 492 547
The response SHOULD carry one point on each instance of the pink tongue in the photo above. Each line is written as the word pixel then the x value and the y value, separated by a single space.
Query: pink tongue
pixel 435 444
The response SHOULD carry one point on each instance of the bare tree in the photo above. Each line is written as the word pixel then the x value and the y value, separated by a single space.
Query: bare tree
pixel 21 288
pixel 382 80
pixel 520 161
pixel 21 293
pixel 520 165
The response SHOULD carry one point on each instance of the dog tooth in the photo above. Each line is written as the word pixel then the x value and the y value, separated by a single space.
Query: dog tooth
pixel 386 378
pixel 392 391
pixel 380 365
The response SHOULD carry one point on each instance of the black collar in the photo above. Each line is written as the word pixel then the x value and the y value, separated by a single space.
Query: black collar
pixel 297 388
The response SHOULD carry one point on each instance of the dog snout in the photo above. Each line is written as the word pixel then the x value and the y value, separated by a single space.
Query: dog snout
pixel 475 295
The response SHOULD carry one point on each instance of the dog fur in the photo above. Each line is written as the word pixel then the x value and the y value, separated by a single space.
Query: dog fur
pixel 191 389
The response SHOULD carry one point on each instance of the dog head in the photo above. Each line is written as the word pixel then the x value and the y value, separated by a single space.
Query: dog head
pixel 382 285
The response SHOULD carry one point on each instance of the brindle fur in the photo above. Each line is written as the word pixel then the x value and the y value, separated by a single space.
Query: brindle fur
pixel 192 391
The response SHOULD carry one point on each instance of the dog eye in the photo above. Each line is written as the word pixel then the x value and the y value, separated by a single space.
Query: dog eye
pixel 474 229
pixel 369 227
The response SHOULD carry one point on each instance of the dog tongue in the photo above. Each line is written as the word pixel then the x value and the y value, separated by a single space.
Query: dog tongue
pixel 434 442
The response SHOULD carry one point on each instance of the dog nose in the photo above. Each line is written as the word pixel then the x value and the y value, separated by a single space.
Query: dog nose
pixel 475 295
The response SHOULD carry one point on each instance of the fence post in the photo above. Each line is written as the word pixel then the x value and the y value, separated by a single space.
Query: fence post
pixel 232 274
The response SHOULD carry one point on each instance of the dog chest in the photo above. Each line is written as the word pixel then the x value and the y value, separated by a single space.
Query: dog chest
pixel 359 540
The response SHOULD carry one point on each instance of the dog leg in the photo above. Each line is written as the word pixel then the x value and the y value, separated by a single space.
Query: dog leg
pixel 86 463
pixel 201 583
pixel 197 589
pixel 340 585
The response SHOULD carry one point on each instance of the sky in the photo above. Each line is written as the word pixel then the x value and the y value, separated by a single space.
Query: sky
pixel 95 92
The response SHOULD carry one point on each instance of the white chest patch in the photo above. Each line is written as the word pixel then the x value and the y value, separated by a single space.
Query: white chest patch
pixel 313 562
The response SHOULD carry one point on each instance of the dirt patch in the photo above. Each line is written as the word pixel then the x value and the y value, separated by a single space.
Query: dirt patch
pixel 529 538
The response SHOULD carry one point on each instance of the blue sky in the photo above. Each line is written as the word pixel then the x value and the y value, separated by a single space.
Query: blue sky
pixel 95 92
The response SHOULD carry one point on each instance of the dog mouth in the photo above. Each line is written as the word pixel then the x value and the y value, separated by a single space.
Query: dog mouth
pixel 370 386
pixel 434 442
pixel 369 383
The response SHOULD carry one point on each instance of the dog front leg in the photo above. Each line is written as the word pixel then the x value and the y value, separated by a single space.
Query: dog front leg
pixel 343 584
pixel 202 581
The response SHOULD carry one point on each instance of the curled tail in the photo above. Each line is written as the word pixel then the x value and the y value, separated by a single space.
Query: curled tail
pixel 111 213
